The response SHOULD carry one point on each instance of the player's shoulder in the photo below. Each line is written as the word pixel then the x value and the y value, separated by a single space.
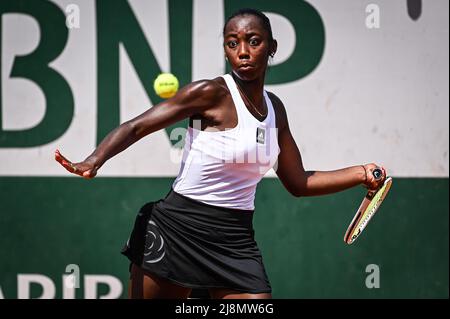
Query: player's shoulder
pixel 279 109
pixel 201 94
pixel 208 87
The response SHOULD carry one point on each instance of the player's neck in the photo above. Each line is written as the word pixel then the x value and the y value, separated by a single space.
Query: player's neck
pixel 252 89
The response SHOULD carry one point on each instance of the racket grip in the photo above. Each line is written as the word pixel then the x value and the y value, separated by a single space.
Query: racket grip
pixel 377 173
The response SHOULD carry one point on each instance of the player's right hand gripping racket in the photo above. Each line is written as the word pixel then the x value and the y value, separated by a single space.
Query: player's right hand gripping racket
pixel 368 208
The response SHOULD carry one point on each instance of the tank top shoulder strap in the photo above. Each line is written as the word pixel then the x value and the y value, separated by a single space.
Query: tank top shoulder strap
pixel 271 111
pixel 242 110
pixel 235 95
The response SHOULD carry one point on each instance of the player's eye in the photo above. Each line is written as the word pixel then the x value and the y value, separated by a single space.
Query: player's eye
pixel 254 42
pixel 232 44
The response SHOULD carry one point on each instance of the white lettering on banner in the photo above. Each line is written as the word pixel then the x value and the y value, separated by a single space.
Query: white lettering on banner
pixel 68 287
pixel 92 281
pixel 24 282
pixel 17 93
pixel 321 107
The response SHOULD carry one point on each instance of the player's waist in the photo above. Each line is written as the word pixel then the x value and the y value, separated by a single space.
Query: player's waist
pixel 206 215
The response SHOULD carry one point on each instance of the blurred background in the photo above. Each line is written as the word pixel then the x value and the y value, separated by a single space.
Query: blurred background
pixel 362 81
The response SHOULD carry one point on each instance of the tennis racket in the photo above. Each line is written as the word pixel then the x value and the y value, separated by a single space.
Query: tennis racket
pixel 369 206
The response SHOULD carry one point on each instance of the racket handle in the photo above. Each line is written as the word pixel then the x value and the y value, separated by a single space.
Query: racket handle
pixel 377 173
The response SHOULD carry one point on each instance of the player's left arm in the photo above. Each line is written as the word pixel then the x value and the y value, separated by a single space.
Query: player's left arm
pixel 300 182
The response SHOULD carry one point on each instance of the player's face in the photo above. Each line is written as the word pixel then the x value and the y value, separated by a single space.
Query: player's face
pixel 247 47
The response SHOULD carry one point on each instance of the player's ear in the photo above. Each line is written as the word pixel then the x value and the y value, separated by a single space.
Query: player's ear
pixel 273 48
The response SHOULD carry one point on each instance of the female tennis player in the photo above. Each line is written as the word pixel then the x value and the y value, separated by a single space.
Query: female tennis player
pixel 200 235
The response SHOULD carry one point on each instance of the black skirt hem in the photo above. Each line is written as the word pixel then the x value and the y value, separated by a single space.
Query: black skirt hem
pixel 197 286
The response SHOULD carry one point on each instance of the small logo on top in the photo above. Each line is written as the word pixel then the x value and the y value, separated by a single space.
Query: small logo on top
pixel 260 135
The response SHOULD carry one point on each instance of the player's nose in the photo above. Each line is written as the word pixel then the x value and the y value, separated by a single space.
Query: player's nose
pixel 243 52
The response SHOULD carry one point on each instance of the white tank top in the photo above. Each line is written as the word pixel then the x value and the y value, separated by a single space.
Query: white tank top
pixel 222 168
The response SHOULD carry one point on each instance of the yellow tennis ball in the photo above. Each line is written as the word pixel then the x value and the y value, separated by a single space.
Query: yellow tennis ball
pixel 166 85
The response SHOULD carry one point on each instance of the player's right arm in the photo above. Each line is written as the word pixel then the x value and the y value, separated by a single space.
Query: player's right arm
pixel 193 99
pixel 300 182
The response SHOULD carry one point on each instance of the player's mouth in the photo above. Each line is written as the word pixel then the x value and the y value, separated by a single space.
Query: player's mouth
pixel 246 66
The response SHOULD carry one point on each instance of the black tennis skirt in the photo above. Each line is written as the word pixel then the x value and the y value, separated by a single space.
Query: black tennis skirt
pixel 197 245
